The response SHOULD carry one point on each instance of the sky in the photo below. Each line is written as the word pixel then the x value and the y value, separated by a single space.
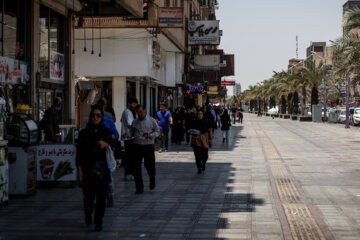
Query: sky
pixel 262 33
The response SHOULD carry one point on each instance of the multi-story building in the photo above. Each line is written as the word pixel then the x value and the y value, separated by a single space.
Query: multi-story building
pixel 318 52
pixel 237 89
pixel 142 57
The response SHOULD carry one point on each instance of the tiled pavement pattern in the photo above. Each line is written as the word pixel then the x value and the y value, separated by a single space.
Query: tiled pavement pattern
pixel 276 179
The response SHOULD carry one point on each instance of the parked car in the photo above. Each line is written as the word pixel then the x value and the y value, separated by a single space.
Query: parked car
pixel 357 116
pixel 342 116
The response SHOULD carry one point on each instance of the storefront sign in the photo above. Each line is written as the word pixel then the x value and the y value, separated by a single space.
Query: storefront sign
pixel 57 66
pixel 204 33
pixel 171 17
pixel 213 90
pixel 196 90
pixel 207 62
pixel 229 68
pixel 14 71
pixel 227 83
pixel 55 162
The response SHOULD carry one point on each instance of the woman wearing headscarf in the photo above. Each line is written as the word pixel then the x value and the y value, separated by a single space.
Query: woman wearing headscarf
pixel 225 125
pixel 92 169
pixel 201 141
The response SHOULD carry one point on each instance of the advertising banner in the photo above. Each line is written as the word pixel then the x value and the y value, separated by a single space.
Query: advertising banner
pixel 57 66
pixel 198 77
pixel 203 33
pixel 213 90
pixel 14 71
pixel 229 69
pixel 171 17
pixel 207 62
pixel 55 162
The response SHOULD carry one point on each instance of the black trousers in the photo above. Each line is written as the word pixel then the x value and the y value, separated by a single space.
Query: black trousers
pixel 93 189
pixel 164 138
pixel 146 152
pixel 201 156
pixel 128 158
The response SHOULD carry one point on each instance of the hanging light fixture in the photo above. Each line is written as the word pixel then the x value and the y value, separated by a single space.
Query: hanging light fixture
pixel 84 26
pixel 92 28
pixel 73 27
pixel 100 27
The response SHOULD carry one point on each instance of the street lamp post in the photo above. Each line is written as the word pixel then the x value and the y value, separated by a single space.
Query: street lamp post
pixel 325 93
pixel 347 82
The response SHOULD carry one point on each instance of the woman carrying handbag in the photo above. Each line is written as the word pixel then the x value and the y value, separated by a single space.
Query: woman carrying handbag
pixel 202 140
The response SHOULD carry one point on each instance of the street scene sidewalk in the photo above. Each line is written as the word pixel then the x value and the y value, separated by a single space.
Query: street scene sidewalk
pixel 275 179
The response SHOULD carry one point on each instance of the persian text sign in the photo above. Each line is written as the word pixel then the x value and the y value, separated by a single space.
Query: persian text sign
pixel 207 62
pixel 55 162
pixel 171 17
pixel 203 33
pixel 14 71
pixel 57 66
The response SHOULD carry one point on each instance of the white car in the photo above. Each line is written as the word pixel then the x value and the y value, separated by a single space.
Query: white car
pixel 342 116
pixel 357 116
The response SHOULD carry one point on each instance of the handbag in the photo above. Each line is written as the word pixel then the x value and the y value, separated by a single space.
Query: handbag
pixel 98 170
pixel 110 159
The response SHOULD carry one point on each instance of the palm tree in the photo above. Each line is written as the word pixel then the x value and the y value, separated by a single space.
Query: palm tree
pixel 313 75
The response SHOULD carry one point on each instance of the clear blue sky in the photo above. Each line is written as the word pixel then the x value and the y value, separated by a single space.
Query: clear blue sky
pixel 262 33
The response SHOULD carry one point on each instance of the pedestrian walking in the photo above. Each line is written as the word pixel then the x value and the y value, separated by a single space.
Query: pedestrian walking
pixel 127 118
pixel 92 169
pixel 164 120
pixel 225 126
pixel 189 122
pixel 109 123
pixel 145 131
pixel 178 126
pixel 241 116
pixel 233 113
pixel 50 121
pixel 202 140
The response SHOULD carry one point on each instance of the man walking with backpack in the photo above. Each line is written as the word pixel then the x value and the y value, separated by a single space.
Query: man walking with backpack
pixel 164 120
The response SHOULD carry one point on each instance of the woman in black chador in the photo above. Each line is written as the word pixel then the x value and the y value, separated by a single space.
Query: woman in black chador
pixel 92 169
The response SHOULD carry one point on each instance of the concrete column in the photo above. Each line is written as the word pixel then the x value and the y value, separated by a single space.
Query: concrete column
pixel 148 97
pixel 119 98
pixel 35 45
pixel 138 90
pixel 156 97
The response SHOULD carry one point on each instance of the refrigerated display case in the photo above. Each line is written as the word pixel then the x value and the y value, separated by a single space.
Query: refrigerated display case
pixel 4 174
pixel 22 133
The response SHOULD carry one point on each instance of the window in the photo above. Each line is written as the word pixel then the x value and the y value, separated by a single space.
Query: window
pixel 13 16
pixel 51 43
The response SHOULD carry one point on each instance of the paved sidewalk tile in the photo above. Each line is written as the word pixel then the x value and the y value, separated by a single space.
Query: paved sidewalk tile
pixel 243 194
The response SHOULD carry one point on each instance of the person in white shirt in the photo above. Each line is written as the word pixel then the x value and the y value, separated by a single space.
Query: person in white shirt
pixel 127 119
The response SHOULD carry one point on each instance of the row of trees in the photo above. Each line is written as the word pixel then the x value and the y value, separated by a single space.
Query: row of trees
pixel 301 86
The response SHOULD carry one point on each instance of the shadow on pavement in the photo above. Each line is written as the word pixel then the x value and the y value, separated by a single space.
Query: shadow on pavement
pixel 184 205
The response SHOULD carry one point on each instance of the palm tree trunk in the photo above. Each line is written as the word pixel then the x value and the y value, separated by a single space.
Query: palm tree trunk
pixel 303 102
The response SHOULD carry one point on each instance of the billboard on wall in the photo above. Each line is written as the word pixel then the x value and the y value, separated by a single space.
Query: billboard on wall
pixel 14 71
pixel 203 33
pixel 171 17
pixel 207 62
pixel 204 76
pixel 229 69
pixel 57 66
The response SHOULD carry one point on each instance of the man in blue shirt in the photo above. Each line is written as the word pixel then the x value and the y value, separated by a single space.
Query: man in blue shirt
pixel 164 120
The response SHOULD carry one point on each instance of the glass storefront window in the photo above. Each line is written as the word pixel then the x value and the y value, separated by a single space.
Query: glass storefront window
pixel 13 28
pixel 51 38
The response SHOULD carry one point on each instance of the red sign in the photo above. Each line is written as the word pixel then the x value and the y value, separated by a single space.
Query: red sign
pixel 228 83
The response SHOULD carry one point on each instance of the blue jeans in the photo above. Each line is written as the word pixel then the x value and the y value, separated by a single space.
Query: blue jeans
pixel 111 187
